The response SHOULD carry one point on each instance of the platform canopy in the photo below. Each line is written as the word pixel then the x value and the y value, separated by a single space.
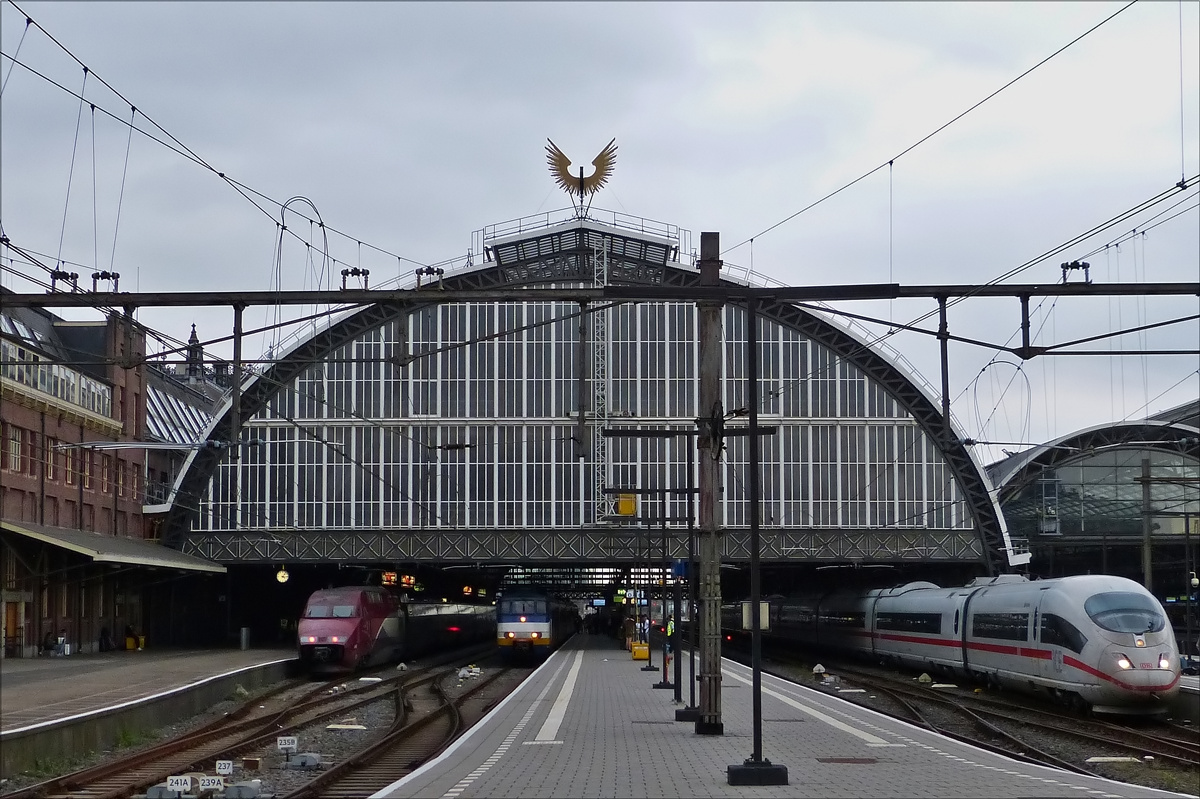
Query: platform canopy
pixel 112 549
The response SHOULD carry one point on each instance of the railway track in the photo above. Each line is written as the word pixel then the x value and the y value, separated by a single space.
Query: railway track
pixel 426 725
pixel 1022 715
pixel 1014 726
pixel 291 706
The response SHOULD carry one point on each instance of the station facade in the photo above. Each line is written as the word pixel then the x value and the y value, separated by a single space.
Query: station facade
pixel 475 439
pixel 478 435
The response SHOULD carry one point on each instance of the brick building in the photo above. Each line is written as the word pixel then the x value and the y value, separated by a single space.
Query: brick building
pixel 77 559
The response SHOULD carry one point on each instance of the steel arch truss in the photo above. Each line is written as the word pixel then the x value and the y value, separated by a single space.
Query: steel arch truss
pixel 628 266
pixel 1162 436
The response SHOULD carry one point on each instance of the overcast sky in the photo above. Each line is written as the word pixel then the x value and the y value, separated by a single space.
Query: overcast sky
pixel 411 125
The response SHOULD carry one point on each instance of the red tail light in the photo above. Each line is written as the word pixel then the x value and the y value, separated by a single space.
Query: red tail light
pixel 452 629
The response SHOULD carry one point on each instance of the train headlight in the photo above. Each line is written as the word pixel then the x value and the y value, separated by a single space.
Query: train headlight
pixel 523 619
pixel 336 639
pixel 1124 662
pixel 533 635
pixel 512 635
pixel 1164 662
pixel 312 639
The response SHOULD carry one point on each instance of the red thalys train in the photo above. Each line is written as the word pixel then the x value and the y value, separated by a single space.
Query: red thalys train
pixel 1090 640
pixel 343 629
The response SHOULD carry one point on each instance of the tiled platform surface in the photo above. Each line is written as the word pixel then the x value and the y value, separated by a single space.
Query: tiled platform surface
pixel 590 724
pixel 47 689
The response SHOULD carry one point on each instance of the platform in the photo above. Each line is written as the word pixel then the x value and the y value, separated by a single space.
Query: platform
pixel 590 724
pixel 62 707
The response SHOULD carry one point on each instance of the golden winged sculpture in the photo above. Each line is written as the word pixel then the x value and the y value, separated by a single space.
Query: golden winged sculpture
pixel 560 167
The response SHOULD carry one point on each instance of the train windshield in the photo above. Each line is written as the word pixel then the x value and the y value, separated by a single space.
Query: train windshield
pixel 1125 612
pixel 329 612
pixel 525 607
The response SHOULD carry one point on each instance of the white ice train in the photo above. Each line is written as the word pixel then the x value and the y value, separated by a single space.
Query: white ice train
pixel 1090 641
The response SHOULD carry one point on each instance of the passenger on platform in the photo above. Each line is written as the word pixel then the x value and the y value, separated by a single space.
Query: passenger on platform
pixel 670 630
pixel 106 641
pixel 60 647
pixel 49 642
pixel 131 640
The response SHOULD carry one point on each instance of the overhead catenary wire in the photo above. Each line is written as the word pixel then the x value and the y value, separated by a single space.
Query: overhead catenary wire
pixel 937 130
pixel 167 139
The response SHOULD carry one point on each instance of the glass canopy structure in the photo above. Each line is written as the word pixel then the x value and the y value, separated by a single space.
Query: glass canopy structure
pixel 458 432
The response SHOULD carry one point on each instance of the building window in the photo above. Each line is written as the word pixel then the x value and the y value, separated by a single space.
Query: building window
pixel 69 465
pixel 51 459
pixel 14 448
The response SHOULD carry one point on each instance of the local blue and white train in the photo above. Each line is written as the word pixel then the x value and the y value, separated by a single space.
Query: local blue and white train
pixel 1090 641
pixel 533 621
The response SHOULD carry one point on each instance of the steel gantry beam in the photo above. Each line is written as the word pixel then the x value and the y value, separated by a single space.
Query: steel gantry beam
pixel 641 275
pixel 594 545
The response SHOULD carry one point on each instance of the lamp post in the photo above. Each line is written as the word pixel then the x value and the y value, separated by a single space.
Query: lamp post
pixel 1189 588
pixel 665 682
pixel 756 769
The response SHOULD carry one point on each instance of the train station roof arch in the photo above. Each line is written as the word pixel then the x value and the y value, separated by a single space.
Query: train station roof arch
pixel 563 253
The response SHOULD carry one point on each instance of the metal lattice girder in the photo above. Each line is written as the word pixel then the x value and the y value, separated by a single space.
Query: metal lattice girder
pixel 592 546
pixel 980 507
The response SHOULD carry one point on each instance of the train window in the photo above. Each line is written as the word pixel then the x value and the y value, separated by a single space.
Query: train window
pixel 329 612
pixel 835 619
pixel 1125 612
pixel 1057 631
pixel 1006 626
pixel 910 622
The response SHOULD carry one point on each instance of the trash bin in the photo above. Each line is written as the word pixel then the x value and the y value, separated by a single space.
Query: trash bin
pixel 141 641
pixel 245 638
pixel 641 651
pixel 130 643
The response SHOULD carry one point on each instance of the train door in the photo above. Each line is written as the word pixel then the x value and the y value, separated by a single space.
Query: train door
pixel 1044 632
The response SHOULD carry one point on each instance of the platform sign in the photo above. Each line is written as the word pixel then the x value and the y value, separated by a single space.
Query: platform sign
pixel 179 782
pixel 764 615
pixel 679 568
pixel 225 767
pixel 287 743
pixel 211 783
